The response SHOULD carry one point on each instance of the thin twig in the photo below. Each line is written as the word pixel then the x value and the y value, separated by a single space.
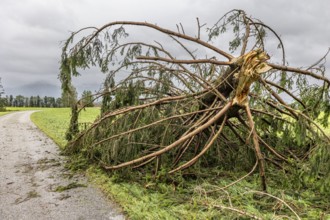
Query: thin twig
pixel 236 181
pixel 281 200
pixel 224 63
pixel 199 29
pixel 296 70
pixel 238 211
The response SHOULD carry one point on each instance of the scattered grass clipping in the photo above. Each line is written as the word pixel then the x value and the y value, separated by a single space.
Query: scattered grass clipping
pixel 69 186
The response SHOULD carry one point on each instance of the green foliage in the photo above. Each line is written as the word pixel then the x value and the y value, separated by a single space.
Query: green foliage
pixel 87 99
pixel 73 128
pixel 2 99
pixel 34 101
pixel 69 96
pixel 236 21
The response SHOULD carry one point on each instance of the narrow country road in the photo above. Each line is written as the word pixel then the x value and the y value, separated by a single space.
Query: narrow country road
pixel 30 172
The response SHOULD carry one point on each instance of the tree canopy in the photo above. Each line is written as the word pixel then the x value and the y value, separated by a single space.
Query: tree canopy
pixel 69 96
pixel 184 101
pixel 87 98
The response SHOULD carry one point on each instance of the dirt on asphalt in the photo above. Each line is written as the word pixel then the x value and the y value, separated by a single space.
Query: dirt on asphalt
pixel 34 182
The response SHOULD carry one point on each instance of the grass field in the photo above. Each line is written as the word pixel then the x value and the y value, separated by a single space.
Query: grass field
pixel 191 198
pixel 327 130
pixel 13 109
pixel 54 121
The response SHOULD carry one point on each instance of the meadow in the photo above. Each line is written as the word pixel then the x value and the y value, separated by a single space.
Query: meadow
pixel 13 109
pixel 207 194
pixel 54 121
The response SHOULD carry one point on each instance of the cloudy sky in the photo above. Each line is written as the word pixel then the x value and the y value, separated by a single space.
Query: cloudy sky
pixel 32 31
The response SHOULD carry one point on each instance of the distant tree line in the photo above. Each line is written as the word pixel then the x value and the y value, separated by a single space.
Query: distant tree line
pixel 33 101
pixel 2 100
pixel 66 100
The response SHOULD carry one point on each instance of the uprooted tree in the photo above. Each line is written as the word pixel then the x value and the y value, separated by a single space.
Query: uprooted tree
pixel 183 100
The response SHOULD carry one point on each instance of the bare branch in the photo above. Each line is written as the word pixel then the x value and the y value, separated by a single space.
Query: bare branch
pixel 163 30
pixel 193 160
pixel 184 61
pixel 287 92
pixel 174 144
pixel 260 157
pixel 296 70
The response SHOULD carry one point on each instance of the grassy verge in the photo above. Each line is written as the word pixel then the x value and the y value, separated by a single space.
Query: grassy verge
pixel 3 113
pixel 197 195
pixel 11 109
pixel 14 109
pixel 54 121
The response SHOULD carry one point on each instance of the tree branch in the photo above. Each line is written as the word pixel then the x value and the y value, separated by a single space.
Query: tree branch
pixel 174 144
pixel 184 61
pixel 163 30
pixel 296 70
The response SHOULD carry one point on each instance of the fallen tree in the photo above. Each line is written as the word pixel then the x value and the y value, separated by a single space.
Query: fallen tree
pixel 182 100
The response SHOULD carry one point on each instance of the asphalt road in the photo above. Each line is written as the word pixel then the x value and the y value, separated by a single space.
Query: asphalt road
pixel 30 172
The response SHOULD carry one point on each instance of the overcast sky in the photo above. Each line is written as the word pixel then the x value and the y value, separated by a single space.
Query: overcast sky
pixel 31 30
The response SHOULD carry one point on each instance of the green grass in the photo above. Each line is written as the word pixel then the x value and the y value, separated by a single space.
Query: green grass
pixel 187 198
pixel 327 129
pixel 151 200
pixel 143 196
pixel 14 109
pixel 4 113
pixel 10 109
pixel 69 186
pixel 55 121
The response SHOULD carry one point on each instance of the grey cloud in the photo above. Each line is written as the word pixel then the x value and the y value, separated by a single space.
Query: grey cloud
pixel 31 30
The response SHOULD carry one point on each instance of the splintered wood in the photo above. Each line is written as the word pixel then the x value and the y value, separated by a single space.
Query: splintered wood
pixel 252 64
